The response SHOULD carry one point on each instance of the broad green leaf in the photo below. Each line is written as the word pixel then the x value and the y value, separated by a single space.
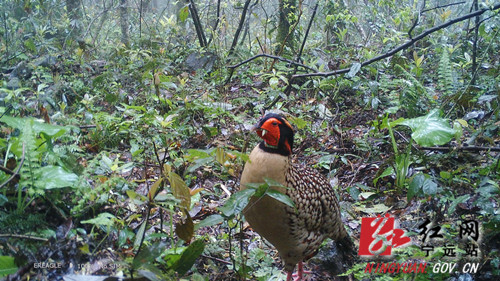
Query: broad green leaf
pixel 148 254
pixel 387 172
pixel 445 175
pixel 378 208
pixel 237 202
pixel 154 189
pixel 196 153
pixel 210 221
pixel 354 192
pixel 421 184
pixel 140 233
pixel 189 256
pixel 283 198
pixel 272 182
pixel 253 185
pixel 429 187
pixel 134 148
pixel 261 190
pixel 455 202
pixel 103 219
pixel 457 126
pixel 299 122
pixel 85 249
pixel 7 266
pixel 180 189
pixel 38 126
pixel 415 186
pixel 273 82
pixel 185 229
pixel 183 14
pixel 366 195
pixel 354 70
pixel 49 177
pixel 430 130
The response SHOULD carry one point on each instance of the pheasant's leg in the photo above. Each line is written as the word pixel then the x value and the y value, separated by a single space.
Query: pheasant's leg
pixel 300 272
pixel 289 276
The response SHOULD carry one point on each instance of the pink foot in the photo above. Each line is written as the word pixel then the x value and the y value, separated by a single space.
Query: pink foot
pixel 299 275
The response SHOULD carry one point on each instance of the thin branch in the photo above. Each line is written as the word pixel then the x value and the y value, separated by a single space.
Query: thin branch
pixel 216 24
pixel 87 126
pixel 24 237
pixel 417 20
pixel 443 6
pixel 6 170
pixel 474 44
pixel 485 19
pixel 272 57
pixel 140 21
pixel 307 33
pixel 240 27
pixel 216 259
pixel 462 148
pixel 401 47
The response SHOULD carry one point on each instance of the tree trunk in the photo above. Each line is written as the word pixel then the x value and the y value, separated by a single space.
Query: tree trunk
pixel 124 22
pixel 197 23
pixel 287 10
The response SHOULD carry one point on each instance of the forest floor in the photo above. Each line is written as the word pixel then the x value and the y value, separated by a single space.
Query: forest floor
pixel 344 145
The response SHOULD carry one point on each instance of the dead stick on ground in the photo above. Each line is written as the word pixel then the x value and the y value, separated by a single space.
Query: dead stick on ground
pixel 24 237
pixel 462 148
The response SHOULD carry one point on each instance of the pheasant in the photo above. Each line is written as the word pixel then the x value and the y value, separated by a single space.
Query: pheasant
pixel 296 233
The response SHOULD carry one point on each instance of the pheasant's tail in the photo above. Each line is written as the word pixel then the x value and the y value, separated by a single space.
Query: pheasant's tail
pixel 338 257
pixel 346 252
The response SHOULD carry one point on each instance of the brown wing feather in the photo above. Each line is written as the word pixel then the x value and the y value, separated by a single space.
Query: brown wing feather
pixel 316 203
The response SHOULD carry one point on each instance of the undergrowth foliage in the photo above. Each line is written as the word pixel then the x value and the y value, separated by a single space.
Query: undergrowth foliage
pixel 123 133
pixel 445 78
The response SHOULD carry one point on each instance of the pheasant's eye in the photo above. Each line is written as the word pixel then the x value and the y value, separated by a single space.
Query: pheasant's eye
pixel 275 123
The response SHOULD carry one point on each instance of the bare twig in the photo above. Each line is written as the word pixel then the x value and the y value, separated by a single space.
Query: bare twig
pixel 462 148
pixel 6 170
pixel 443 6
pixel 272 57
pixel 216 259
pixel 240 27
pixel 24 237
pixel 400 47
pixel 417 20
pixel 216 24
pixel 87 126
pixel 474 44
pixel 161 162
pixel 307 33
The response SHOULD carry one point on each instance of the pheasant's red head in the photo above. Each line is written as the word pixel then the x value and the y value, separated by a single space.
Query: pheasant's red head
pixel 277 134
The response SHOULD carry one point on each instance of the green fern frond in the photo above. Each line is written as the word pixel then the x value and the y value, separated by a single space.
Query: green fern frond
pixel 445 77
